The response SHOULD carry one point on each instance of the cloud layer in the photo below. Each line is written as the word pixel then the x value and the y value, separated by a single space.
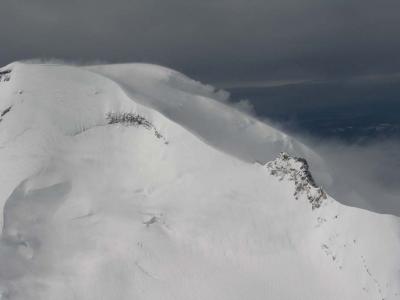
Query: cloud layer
pixel 213 40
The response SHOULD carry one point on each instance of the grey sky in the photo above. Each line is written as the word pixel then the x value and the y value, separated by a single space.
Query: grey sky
pixel 220 41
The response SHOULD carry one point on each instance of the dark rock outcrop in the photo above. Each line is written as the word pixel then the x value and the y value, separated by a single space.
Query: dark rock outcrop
pixel 5 75
pixel 4 112
pixel 297 169
pixel 132 119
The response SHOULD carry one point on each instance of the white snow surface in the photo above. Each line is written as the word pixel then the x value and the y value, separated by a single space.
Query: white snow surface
pixel 183 208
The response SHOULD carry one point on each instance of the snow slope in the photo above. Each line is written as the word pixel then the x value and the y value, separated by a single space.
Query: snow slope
pixel 193 106
pixel 135 182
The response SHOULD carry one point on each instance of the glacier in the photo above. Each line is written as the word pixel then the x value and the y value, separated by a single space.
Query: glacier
pixel 133 181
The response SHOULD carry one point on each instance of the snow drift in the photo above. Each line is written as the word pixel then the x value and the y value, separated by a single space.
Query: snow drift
pixel 134 182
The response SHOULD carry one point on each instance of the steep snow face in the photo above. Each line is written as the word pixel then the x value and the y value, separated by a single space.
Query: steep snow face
pixel 106 198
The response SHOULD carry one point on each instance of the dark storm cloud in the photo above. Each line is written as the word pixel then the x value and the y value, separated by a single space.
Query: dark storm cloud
pixel 213 40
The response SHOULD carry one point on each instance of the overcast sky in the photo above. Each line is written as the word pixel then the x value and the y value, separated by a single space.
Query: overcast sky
pixel 228 42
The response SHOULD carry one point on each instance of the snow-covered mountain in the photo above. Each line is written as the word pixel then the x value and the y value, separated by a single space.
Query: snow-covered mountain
pixel 135 182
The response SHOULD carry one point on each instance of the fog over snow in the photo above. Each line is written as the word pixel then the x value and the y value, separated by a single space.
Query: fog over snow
pixel 363 172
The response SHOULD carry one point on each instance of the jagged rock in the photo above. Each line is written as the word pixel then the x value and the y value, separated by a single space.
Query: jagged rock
pixel 297 169
pixel 5 75
pixel 130 119
pixel 4 112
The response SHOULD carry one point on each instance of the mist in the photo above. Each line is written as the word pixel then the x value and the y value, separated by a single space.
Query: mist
pixel 364 176
pixel 362 173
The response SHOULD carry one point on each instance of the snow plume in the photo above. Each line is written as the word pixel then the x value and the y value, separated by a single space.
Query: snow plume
pixel 243 105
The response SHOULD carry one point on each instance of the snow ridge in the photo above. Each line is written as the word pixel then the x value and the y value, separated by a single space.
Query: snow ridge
pixel 297 169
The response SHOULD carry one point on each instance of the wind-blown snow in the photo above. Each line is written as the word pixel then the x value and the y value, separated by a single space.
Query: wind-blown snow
pixel 135 182
pixel 193 106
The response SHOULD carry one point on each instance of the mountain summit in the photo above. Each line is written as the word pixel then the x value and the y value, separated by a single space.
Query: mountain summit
pixel 133 181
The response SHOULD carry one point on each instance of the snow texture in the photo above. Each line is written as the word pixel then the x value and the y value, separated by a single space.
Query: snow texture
pixel 136 182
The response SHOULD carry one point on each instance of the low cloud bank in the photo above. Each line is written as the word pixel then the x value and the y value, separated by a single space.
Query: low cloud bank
pixel 341 121
pixel 364 176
